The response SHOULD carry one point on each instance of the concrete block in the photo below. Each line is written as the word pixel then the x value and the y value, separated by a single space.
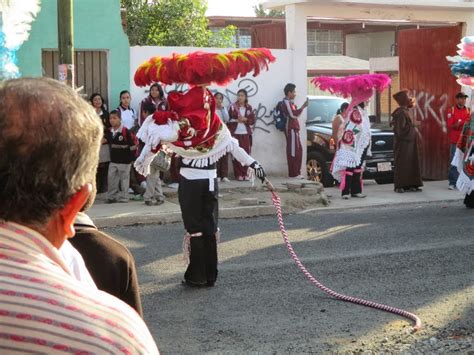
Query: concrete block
pixel 248 201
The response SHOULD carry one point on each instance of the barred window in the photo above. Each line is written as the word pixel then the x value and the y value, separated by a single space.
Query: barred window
pixel 325 42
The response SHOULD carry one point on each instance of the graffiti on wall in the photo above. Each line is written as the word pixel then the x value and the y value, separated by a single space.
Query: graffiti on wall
pixel 428 105
pixel 263 114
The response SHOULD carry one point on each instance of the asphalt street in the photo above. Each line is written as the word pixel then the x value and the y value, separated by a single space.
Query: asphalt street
pixel 417 257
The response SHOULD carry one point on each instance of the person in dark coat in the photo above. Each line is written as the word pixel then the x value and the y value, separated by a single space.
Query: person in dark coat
pixel 108 261
pixel 407 175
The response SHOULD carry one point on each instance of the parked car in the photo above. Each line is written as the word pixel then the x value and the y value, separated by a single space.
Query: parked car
pixel 320 153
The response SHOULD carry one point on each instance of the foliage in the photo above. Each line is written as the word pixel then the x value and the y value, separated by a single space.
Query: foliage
pixel 261 12
pixel 173 23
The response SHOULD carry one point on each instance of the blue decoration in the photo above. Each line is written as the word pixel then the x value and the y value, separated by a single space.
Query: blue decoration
pixel 463 68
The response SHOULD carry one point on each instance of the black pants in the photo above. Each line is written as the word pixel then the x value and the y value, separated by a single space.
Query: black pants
pixel 101 177
pixel 469 200
pixel 199 209
pixel 353 178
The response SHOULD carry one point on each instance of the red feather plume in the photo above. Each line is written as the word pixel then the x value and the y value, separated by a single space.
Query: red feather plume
pixel 199 68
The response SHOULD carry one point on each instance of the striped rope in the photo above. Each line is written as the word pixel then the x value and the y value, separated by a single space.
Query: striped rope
pixel 277 203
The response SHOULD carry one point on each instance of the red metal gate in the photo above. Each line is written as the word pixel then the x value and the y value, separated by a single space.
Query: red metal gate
pixel 424 71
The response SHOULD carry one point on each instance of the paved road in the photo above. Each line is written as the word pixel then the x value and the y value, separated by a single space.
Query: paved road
pixel 417 257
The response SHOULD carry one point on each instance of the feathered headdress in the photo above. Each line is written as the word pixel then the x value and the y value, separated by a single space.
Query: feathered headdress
pixel 358 87
pixel 15 25
pixel 201 68
pixel 197 133
pixel 463 65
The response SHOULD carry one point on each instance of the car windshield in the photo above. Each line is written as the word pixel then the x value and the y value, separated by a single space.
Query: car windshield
pixel 322 110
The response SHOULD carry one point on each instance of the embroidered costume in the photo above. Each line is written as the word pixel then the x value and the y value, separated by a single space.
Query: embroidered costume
pixel 463 69
pixel 355 142
pixel 200 138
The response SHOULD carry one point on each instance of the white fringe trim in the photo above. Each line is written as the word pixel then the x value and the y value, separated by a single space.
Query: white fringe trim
pixel 458 160
pixel 349 158
pixel 224 144
pixel 465 184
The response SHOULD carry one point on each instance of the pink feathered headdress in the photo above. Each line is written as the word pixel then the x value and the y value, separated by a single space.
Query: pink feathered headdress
pixel 358 87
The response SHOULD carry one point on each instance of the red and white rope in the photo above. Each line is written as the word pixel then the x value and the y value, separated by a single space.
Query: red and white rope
pixel 277 203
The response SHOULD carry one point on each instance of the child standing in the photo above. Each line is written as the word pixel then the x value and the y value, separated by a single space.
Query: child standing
pixel 123 145
pixel 128 114
pixel 154 191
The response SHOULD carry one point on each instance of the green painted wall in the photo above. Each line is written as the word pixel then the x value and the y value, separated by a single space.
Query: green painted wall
pixel 97 25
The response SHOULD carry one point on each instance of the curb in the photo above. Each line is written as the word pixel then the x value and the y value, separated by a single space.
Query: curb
pixel 175 217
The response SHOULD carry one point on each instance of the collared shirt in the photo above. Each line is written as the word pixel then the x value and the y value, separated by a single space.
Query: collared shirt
pixel 44 309
pixel 128 116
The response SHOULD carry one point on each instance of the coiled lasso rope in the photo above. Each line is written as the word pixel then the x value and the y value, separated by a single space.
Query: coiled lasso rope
pixel 277 203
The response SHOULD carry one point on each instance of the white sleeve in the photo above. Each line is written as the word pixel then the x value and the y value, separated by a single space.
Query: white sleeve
pixel 240 154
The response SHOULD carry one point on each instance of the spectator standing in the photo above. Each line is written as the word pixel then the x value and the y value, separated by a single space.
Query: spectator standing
pixel 43 308
pixel 338 125
pixel 104 155
pixel 110 264
pixel 157 98
pixel 123 145
pixel 241 121
pixel 407 175
pixel 294 150
pixel 457 116
pixel 128 114
pixel 223 114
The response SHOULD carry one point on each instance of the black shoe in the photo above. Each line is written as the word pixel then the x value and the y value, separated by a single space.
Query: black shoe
pixel 149 203
pixel 192 284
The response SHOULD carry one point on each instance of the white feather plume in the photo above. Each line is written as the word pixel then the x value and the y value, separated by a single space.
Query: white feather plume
pixel 17 16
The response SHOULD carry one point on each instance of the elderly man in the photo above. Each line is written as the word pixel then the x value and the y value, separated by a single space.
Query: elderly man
pixel 49 144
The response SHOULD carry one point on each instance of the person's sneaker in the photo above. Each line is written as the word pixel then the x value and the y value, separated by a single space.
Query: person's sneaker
pixel 158 202
pixel 110 201
pixel 451 187
pixel 224 179
pixel 173 185
pixel 346 197
pixel 130 190
pixel 359 195
pixel 399 190
pixel 149 203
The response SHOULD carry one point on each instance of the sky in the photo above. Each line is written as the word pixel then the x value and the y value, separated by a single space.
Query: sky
pixel 231 7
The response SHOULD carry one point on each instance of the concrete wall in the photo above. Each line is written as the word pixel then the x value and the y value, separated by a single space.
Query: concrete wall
pixel 264 91
pixel 95 27
pixel 369 45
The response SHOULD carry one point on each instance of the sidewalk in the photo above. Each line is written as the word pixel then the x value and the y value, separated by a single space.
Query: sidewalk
pixel 239 199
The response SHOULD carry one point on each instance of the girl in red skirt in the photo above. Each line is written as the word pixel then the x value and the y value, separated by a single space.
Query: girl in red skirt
pixel 241 121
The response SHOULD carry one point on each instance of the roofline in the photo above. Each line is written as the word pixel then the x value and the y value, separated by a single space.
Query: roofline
pixel 433 4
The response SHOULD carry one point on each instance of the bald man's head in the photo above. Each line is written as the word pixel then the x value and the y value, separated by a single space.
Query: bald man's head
pixel 49 144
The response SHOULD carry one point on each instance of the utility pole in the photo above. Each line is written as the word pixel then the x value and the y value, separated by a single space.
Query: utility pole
pixel 66 42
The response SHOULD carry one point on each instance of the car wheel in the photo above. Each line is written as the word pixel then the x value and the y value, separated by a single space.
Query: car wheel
pixel 384 180
pixel 317 169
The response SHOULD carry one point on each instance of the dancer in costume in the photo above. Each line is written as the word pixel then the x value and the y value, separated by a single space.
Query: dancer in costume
pixel 200 138
pixel 347 166
pixel 463 160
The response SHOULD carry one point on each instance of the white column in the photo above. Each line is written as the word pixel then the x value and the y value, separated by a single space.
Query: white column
pixel 296 40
